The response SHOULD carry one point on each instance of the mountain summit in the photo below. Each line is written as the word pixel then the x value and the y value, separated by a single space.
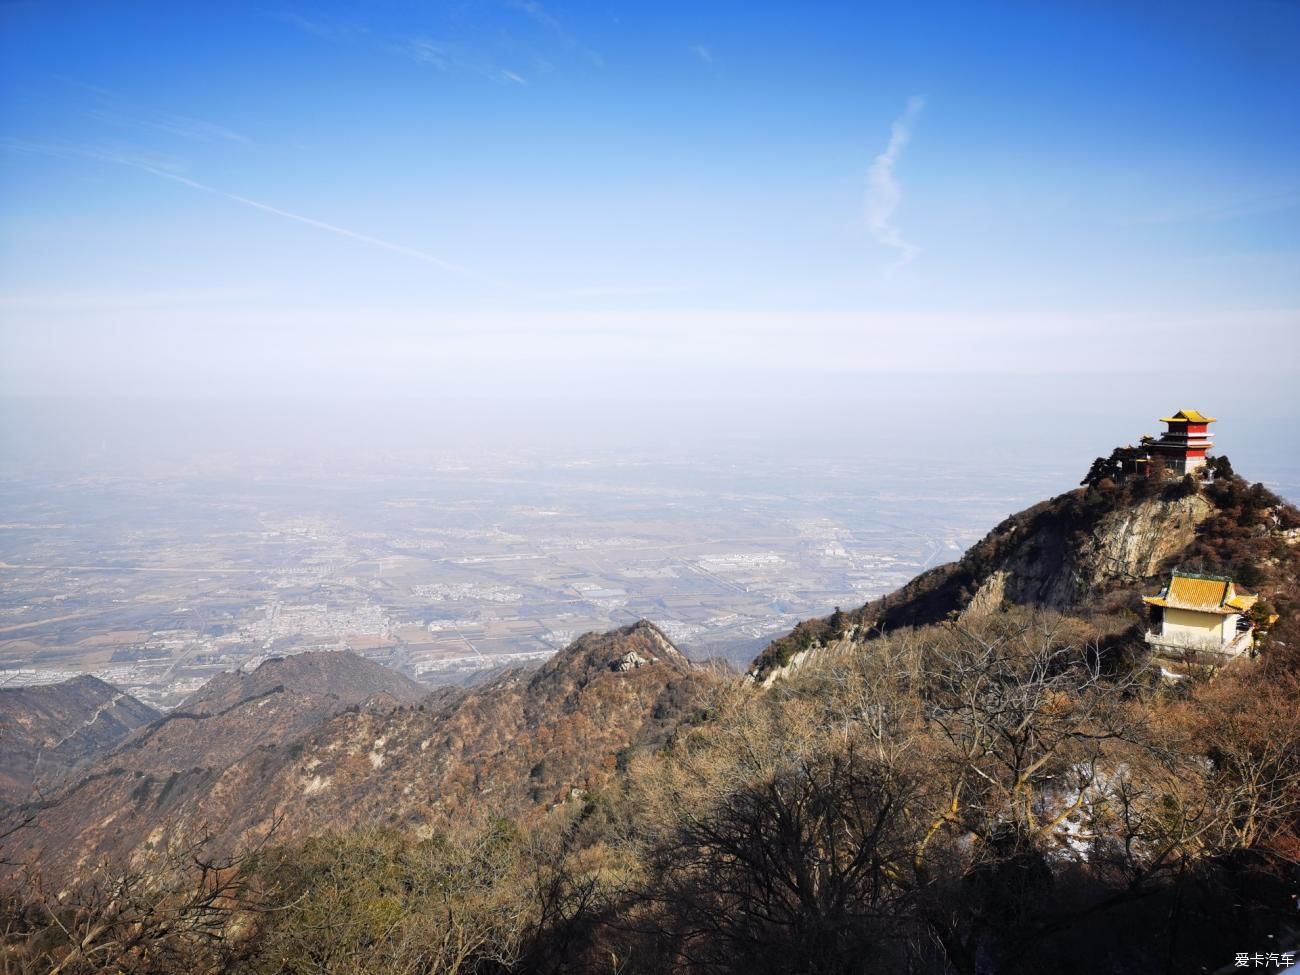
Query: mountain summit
pixel 1096 549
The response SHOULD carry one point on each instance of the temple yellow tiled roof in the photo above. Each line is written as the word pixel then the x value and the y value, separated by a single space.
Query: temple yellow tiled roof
pixel 1241 602
pixel 1202 594
pixel 1187 416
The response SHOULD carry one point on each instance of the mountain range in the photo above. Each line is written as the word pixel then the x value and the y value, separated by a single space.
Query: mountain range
pixel 330 744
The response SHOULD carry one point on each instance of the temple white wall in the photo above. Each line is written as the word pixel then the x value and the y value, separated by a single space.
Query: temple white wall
pixel 1191 629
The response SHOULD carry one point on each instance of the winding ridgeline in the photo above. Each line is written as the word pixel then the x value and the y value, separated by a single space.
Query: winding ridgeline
pixel 990 770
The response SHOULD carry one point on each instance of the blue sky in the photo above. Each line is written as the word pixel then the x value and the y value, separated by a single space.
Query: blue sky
pixel 219 198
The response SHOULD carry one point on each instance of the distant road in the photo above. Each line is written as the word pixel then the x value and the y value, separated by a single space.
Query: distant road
pixel 14 628
pixel 128 568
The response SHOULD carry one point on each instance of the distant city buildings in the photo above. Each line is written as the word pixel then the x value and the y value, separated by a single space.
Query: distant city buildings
pixel 460 573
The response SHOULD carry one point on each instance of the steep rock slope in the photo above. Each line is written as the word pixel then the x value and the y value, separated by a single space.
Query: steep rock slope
pixel 46 732
pixel 523 742
pixel 1061 558
pixel 1090 548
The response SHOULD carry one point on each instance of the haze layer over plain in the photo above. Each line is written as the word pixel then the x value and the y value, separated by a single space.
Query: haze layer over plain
pixel 1052 424
pixel 437 331
pixel 518 199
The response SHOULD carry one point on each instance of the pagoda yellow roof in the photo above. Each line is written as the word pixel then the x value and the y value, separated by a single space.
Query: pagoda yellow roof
pixel 1202 594
pixel 1187 416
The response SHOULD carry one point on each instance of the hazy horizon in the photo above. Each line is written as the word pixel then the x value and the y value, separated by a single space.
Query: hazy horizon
pixel 443 331
pixel 512 198
pixel 1055 423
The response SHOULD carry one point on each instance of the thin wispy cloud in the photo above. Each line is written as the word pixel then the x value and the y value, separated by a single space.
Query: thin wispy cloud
pixel 448 58
pixel 884 193
pixel 317 26
pixel 196 130
pixel 534 10
pixel 108 154
pixel 340 231
pixel 702 52
pixel 1211 208
pixel 115 109
pixel 445 56
pixel 441 56
pixel 452 56
pixel 538 13
pixel 146 165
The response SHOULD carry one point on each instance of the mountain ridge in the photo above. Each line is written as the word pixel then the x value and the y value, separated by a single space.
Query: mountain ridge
pixel 1092 549
pixel 339 673
pixel 952 753
pixel 49 731
pixel 530 739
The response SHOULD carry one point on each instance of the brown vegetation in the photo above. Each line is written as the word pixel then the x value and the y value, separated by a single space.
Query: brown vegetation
pixel 1008 791
pixel 962 798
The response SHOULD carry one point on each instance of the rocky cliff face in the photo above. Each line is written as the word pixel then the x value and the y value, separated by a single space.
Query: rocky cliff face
pixel 1066 554
pixel 1049 565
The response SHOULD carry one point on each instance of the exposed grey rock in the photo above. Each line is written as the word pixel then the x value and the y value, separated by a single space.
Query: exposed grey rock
pixel 631 661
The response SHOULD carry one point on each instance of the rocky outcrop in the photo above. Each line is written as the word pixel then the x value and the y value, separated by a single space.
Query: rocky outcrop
pixel 1061 569
pixel 1061 554
pixel 631 661
pixel 989 597
pixel 655 645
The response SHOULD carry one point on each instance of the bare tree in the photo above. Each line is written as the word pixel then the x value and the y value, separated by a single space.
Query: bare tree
pixel 916 799
pixel 170 911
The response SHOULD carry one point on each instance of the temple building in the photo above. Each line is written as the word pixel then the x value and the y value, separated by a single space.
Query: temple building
pixel 1201 614
pixel 1181 448
pixel 1179 451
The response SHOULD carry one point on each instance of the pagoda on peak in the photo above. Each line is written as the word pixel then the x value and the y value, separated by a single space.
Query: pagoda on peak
pixel 1179 451
pixel 1181 448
